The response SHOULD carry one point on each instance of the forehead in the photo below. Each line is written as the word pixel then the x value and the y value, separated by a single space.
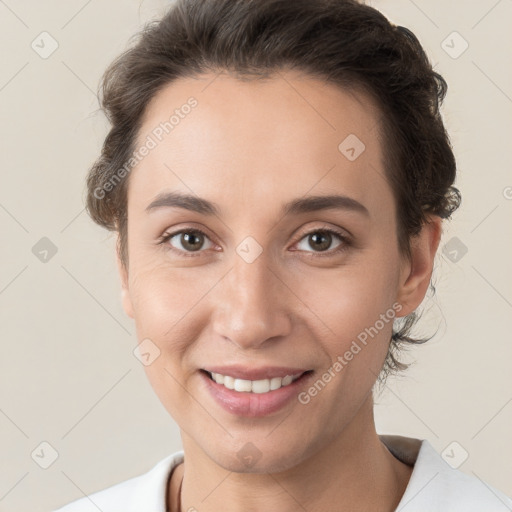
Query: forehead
pixel 249 142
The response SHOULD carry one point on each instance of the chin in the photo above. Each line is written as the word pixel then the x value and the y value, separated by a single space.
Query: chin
pixel 260 456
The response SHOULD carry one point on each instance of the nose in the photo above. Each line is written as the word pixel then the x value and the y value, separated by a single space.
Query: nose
pixel 252 305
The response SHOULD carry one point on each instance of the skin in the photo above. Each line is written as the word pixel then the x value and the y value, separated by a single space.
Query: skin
pixel 250 147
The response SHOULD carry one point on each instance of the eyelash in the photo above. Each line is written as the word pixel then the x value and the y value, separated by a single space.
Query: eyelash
pixel 345 242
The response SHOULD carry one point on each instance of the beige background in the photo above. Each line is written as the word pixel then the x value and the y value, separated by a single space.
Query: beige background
pixel 68 375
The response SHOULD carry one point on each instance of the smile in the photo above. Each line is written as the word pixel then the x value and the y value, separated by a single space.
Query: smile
pixel 253 386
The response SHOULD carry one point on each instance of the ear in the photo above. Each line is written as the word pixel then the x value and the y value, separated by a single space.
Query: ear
pixel 416 272
pixel 123 274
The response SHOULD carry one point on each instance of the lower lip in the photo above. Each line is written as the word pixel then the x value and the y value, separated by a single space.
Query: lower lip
pixel 253 404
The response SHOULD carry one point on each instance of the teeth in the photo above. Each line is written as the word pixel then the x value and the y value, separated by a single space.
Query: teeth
pixel 229 382
pixel 254 386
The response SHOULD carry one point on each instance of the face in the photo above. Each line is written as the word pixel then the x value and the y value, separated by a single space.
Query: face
pixel 245 284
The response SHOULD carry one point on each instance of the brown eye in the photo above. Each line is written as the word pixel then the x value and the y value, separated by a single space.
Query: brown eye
pixel 320 240
pixel 186 241
pixel 191 240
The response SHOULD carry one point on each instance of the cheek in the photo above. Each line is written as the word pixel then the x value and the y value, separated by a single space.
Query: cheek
pixel 162 297
pixel 169 306
pixel 351 298
pixel 163 302
pixel 356 303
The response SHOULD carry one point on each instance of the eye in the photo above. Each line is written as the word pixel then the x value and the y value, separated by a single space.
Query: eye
pixel 189 241
pixel 321 239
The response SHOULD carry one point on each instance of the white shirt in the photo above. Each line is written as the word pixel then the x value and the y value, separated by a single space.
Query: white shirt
pixel 434 486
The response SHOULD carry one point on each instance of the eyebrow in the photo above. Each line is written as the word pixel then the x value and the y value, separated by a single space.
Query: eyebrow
pixel 297 206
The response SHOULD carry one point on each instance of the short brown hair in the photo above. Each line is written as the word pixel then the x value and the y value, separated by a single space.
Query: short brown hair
pixel 342 42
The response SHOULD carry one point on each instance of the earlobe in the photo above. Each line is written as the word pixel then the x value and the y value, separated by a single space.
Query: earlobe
pixel 416 275
pixel 125 293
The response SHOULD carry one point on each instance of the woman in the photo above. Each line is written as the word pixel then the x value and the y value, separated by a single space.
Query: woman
pixel 277 173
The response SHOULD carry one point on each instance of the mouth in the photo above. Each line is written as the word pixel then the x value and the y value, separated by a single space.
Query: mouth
pixel 259 386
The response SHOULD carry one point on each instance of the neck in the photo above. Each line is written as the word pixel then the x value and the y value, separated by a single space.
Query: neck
pixel 355 471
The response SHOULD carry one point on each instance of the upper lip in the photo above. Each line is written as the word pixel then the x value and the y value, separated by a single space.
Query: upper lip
pixel 247 373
